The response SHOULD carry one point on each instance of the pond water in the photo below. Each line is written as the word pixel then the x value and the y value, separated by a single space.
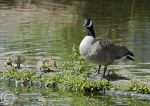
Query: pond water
pixel 49 28
pixel 18 95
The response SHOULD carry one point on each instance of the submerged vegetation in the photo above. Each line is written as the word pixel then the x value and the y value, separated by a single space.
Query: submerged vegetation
pixel 73 77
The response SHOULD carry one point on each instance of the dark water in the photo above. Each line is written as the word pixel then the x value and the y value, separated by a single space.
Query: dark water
pixel 49 28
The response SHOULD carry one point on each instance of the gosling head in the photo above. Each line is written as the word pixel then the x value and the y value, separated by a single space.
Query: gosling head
pixel 54 64
pixel 9 62
pixel 88 23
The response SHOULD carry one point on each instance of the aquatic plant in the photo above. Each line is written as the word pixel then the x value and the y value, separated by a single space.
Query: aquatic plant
pixel 78 83
pixel 138 87
pixel 19 75
pixel 76 64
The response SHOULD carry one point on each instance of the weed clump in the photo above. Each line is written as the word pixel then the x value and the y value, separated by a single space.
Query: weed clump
pixel 76 64
pixel 19 75
pixel 138 87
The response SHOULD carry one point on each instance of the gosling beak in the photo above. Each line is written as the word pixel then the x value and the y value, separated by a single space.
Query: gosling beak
pixel 8 63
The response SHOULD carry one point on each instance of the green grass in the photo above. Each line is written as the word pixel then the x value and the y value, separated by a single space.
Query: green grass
pixel 73 77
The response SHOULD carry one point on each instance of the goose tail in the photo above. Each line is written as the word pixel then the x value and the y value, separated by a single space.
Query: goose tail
pixel 124 52
pixel 130 56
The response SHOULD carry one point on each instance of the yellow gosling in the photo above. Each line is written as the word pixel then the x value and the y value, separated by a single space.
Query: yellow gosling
pixel 47 65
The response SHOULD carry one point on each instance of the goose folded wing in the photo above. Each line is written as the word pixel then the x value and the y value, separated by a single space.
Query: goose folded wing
pixel 114 51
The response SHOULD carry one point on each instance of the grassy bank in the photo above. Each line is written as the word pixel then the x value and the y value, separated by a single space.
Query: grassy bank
pixel 74 77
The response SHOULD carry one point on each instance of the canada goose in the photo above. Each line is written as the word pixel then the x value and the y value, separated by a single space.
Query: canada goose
pixel 47 65
pixel 16 59
pixel 99 51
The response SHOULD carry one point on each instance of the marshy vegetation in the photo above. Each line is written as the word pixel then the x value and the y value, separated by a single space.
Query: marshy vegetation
pixel 74 75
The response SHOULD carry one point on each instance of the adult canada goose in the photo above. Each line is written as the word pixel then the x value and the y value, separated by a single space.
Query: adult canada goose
pixel 99 51
pixel 16 59
pixel 47 65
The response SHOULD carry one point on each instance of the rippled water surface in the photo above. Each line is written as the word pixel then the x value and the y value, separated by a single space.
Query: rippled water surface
pixel 49 28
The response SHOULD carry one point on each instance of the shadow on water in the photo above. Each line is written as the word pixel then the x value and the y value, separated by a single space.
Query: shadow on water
pixel 49 28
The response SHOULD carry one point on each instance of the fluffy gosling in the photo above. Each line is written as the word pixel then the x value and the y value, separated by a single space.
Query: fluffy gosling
pixel 16 59
pixel 47 65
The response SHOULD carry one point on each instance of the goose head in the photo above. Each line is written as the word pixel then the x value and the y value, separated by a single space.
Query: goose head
pixel 88 23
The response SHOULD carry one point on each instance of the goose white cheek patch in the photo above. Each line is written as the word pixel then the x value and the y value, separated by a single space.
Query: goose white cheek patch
pixel 90 24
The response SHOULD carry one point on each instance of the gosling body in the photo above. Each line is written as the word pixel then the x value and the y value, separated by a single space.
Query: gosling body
pixel 16 59
pixel 47 65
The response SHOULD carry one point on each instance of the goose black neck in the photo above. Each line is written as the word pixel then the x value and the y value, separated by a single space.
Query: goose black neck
pixel 91 31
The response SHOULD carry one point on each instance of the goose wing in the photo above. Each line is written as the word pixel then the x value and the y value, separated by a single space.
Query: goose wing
pixel 108 49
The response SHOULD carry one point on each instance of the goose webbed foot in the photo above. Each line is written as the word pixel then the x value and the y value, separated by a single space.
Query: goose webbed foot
pixel 104 73
pixel 97 71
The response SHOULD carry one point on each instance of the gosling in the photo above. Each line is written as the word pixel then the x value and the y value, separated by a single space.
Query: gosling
pixel 16 59
pixel 47 65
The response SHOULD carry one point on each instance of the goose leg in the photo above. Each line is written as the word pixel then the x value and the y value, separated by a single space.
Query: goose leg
pixel 105 68
pixel 18 66
pixel 98 71
pixel 108 72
